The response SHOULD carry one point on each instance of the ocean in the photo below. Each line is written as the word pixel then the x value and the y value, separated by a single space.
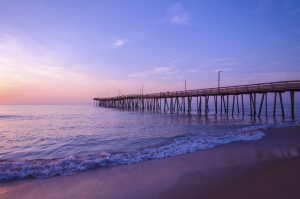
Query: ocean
pixel 39 141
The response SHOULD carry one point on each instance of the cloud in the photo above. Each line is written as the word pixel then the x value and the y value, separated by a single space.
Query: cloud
pixel 225 61
pixel 118 42
pixel 20 56
pixel 179 19
pixel 262 6
pixel 175 61
pixel 222 69
pixel 177 15
pixel 193 71
pixel 115 42
pixel 216 64
pixel 270 76
pixel 28 64
pixel 156 71
pixel 162 70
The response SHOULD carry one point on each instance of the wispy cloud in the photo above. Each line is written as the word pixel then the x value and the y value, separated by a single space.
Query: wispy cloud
pixel 193 71
pixel 262 6
pixel 177 15
pixel 270 76
pixel 28 66
pixel 156 71
pixel 175 61
pixel 114 42
pixel 225 61
pixel 223 69
pixel 118 42
pixel 216 64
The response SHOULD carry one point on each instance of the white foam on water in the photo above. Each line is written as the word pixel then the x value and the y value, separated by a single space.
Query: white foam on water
pixel 41 168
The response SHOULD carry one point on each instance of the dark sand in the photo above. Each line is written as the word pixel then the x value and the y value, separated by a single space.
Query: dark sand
pixel 269 168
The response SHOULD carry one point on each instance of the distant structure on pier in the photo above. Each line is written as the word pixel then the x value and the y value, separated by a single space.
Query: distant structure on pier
pixel 181 101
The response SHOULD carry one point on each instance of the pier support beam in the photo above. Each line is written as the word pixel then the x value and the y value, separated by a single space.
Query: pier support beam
pixel 200 105
pixel 177 104
pixel 223 104
pixel 233 102
pixel 227 105
pixel 243 110
pixel 261 104
pixel 237 103
pixel 183 98
pixel 251 106
pixel 254 105
pixel 175 101
pixel 216 104
pixel 292 96
pixel 281 104
pixel 166 106
pixel 189 105
pixel 206 105
pixel 266 103
pixel 274 110
pixel 221 112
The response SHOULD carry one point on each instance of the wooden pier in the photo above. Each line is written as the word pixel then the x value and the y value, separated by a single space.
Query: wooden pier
pixel 181 101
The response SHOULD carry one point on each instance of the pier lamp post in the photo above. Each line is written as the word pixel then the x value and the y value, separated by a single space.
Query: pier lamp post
pixel 184 84
pixel 143 104
pixel 219 78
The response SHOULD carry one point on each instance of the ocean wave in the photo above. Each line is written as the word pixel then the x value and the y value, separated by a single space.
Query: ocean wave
pixel 42 168
pixel 18 117
pixel 8 116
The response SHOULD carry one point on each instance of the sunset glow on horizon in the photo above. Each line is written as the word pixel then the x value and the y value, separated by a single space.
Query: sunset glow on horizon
pixel 54 52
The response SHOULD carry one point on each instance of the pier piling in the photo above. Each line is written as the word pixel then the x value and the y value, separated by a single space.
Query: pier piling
pixel 175 102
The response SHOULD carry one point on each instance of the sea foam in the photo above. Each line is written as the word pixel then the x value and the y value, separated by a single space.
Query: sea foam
pixel 42 168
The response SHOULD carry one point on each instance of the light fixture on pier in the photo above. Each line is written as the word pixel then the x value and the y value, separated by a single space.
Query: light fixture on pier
pixel 184 84
pixel 219 78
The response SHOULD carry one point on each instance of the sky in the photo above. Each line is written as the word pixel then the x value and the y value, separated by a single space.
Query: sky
pixel 70 51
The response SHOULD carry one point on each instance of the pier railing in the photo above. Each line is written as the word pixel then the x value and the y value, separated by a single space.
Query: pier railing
pixel 228 90
pixel 177 101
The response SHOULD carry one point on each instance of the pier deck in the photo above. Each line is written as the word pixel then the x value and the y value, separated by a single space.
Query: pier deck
pixel 181 101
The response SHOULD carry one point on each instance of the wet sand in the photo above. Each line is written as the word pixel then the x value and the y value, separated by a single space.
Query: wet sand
pixel 268 168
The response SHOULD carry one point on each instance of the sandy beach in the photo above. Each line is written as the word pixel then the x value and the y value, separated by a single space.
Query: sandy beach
pixel 149 99
pixel 268 168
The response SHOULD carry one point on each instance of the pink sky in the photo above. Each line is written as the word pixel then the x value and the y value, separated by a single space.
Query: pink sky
pixel 53 52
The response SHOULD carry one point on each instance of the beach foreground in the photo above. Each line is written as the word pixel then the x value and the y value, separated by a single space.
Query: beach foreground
pixel 268 168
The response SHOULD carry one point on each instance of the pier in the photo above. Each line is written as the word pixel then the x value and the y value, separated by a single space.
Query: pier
pixel 181 101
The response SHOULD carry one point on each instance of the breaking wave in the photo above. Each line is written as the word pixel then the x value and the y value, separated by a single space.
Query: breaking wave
pixel 42 168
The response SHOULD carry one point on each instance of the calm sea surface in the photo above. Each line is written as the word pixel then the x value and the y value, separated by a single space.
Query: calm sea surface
pixel 47 140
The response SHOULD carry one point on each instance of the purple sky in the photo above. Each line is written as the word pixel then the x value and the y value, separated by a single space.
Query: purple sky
pixel 59 51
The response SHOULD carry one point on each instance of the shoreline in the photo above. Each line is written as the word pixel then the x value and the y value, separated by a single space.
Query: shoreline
pixel 222 169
